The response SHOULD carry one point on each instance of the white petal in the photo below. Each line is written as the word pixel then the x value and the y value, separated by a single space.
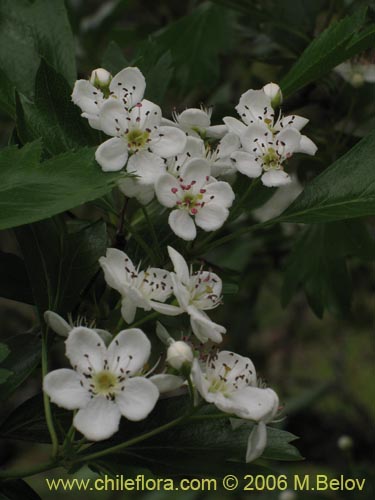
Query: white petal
pixel 216 131
pixel 196 171
pixel 57 323
pixel 166 382
pixel 132 188
pixel 234 125
pixel 128 309
pixel 252 105
pixel 167 141
pixel 104 335
pixel 146 114
pixel 254 403
pixel 138 398
pixel 203 328
pixel 222 192
pixel 246 164
pixel 228 145
pixel 180 265
pixel 113 118
pixel 294 121
pixel 275 178
pixel 112 154
pixel 99 420
pixel 129 81
pixel 84 95
pixel 194 117
pixel 307 146
pixel 211 217
pixel 291 138
pixel 239 365
pixel 182 225
pixel 147 166
pixel 163 190
pixel 85 349
pixel 64 389
pixel 199 379
pixel 166 309
pixel 129 350
pixel 117 268
pixel 257 442
pixel 253 134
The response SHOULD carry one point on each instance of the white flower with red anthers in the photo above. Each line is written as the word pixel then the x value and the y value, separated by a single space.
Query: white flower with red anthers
pixel 196 197
pixel 197 123
pixel 229 381
pixel 197 292
pixel 105 383
pixel 264 153
pixel 138 139
pixel 128 87
pixel 147 289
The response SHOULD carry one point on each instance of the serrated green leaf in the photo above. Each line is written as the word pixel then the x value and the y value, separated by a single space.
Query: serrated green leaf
pixel 31 191
pixel 345 190
pixel 338 42
pixel 52 115
pixel 25 351
pixel 25 37
pixel 60 264
pixel 14 283
pixel 318 264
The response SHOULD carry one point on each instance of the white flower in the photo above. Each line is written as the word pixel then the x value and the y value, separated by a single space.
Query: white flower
pixel 138 136
pixel 273 91
pixel 264 153
pixel 229 381
pixel 144 289
pixel 197 292
pixel 357 72
pixel 197 123
pixel 179 353
pixel 105 383
pixel 196 198
pixel 127 86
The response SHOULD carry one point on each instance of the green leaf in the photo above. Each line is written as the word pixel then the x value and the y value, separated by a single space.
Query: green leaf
pixel 24 357
pixel 25 37
pixel 31 191
pixel 52 115
pixel 318 264
pixel 14 283
pixel 60 264
pixel 153 65
pixel 340 41
pixel 345 190
pixel 4 351
pixel 196 41
pixel 113 58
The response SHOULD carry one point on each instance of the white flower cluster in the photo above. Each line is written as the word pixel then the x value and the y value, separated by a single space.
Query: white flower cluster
pixel 188 162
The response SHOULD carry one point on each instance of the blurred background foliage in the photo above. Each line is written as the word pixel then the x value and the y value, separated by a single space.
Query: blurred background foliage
pixel 300 299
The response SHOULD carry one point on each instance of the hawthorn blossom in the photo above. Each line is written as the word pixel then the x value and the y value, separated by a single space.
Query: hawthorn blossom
pixel 128 87
pixel 229 381
pixel 357 71
pixel 197 123
pixel 147 289
pixel 105 383
pixel 138 139
pixel 197 292
pixel 196 198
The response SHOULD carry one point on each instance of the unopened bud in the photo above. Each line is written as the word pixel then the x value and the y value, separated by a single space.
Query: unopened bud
pixel 57 323
pixel 179 354
pixel 100 78
pixel 287 495
pixel 345 443
pixel 273 91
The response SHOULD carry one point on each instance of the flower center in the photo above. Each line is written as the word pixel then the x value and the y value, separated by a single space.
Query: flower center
pixel 104 382
pixel 137 139
pixel 271 160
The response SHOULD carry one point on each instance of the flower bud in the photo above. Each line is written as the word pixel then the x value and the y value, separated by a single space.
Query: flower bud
pixel 273 91
pixel 345 443
pixel 100 78
pixel 179 354
pixel 288 495
pixel 57 323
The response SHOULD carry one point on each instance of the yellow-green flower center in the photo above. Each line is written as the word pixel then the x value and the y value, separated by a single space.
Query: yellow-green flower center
pixel 271 160
pixel 137 139
pixel 104 382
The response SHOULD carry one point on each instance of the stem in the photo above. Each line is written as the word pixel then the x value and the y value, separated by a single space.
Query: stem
pixel 16 473
pixel 145 319
pixel 131 442
pixel 46 401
